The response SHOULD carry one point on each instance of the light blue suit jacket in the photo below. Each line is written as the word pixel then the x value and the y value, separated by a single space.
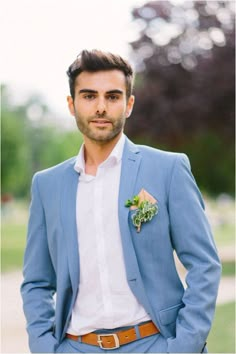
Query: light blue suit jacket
pixel 51 264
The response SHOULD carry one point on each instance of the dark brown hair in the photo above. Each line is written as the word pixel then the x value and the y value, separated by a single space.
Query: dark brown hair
pixel 96 60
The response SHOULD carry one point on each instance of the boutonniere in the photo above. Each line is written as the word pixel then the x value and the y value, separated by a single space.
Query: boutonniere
pixel 145 206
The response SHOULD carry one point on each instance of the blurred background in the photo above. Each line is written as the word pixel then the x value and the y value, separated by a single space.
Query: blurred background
pixel 184 56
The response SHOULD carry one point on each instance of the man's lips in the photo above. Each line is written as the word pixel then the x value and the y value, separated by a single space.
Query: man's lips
pixel 100 121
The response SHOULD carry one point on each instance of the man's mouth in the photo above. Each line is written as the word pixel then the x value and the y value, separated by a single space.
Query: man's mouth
pixel 100 122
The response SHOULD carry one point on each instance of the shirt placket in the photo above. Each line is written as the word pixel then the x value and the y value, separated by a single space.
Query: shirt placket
pixel 101 244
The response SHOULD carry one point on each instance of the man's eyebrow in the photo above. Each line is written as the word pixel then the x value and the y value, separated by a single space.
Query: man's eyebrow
pixel 120 92
pixel 115 91
pixel 87 91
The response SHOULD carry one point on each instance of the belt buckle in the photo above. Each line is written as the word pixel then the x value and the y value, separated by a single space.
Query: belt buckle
pixel 116 339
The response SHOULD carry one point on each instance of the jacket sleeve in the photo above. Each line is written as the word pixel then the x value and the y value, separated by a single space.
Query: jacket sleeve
pixel 39 283
pixel 193 242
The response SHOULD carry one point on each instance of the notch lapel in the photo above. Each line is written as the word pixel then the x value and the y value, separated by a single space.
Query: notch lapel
pixel 129 172
pixel 68 217
pixel 130 165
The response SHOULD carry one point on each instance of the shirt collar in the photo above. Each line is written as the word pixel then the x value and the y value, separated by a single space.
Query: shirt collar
pixel 113 159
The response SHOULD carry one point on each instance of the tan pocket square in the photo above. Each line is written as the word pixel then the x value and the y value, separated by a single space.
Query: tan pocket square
pixel 144 196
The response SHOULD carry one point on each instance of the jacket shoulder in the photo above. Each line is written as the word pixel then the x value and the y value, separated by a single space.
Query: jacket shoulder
pixel 158 157
pixel 56 169
pixel 168 156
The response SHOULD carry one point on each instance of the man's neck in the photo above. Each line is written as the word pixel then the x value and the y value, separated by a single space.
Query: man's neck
pixel 95 153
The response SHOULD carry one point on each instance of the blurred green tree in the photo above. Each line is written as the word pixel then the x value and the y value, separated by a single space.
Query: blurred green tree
pixel 30 143
pixel 14 148
pixel 185 88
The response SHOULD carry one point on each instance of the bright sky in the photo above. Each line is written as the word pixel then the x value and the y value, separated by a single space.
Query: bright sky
pixel 40 39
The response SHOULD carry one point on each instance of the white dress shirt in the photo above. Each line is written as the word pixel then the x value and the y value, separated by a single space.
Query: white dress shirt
pixel 104 300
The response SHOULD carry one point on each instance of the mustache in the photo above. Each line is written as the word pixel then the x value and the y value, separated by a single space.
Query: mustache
pixel 100 115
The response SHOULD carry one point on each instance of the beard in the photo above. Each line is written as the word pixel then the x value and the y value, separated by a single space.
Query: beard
pixel 101 134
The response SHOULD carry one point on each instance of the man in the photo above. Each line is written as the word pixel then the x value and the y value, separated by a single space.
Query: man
pixel 102 231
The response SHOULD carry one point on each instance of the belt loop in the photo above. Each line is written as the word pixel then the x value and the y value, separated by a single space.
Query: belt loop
pixel 136 327
pixel 80 339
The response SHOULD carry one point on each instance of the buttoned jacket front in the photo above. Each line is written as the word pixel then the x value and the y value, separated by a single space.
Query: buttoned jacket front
pixel 52 260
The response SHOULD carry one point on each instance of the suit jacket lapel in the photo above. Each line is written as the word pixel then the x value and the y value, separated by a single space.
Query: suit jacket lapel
pixel 129 172
pixel 68 217
pixel 130 166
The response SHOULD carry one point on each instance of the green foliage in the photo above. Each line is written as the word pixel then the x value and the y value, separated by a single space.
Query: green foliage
pixel 132 202
pixel 211 156
pixel 144 213
pixel 15 153
pixel 212 160
pixel 29 146
pixel 51 146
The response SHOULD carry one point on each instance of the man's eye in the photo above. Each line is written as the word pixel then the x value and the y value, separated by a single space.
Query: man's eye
pixel 89 96
pixel 113 97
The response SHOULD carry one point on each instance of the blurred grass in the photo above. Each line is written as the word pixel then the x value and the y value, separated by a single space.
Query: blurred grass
pixel 224 234
pixel 13 244
pixel 228 268
pixel 221 214
pixel 222 335
pixel 13 235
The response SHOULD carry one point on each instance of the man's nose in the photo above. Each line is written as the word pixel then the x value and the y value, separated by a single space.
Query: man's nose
pixel 101 106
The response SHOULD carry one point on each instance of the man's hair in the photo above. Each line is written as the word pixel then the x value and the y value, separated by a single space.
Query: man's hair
pixel 97 60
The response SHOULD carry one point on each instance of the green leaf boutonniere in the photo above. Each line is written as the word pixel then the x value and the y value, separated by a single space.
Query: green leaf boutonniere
pixel 145 206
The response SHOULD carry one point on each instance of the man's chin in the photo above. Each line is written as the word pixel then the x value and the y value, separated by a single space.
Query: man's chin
pixel 103 138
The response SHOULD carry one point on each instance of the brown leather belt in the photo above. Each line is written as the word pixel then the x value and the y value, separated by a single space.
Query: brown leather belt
pixel 115 340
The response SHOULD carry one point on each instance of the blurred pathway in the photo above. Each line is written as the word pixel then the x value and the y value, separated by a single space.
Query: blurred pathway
pixel 14 338
pixel 13 335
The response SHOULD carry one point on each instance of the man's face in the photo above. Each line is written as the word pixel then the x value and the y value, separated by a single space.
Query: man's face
pixel 100 106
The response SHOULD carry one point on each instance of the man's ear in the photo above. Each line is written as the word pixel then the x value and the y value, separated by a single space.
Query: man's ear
pixel 130 105
pixel 71 105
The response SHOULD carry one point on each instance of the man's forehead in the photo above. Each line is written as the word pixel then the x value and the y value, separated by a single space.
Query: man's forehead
pixel 109 79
